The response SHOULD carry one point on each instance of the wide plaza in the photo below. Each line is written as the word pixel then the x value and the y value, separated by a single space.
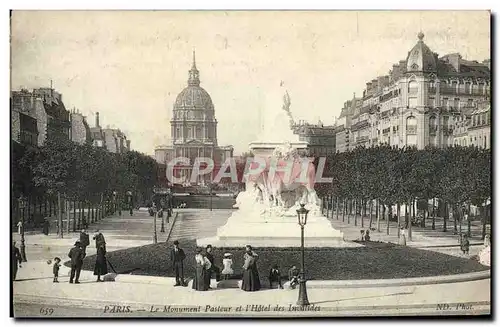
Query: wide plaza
pixel 154 295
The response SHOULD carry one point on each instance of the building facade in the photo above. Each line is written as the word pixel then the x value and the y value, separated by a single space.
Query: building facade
pixel 112 139
pixel 80 130
pixel 42 107
pixel 424 100
pixel 193 130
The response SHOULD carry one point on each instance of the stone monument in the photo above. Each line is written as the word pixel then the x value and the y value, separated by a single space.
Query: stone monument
pixel 266 215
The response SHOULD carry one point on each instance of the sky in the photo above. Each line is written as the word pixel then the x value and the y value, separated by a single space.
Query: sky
pixel 130 65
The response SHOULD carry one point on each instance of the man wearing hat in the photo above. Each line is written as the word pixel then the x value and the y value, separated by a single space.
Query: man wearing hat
pixel 76 255
pixel 177 256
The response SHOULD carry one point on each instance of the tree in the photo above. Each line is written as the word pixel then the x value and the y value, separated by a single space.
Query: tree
pixel 480 179
pixel 54 168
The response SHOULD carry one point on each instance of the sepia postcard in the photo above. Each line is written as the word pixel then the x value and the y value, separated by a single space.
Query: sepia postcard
pixel 252 164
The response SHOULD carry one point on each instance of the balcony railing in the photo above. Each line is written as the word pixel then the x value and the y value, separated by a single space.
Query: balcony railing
pixel 433 130
pixel 411 130
pixel 447 131
pixel 459 91
pixel 362 139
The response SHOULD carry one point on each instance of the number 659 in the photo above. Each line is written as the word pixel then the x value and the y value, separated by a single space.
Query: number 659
pixel 46 311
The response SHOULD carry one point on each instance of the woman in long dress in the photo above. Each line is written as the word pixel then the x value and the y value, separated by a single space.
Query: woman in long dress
pixel 101 264
pixel 201 276
pixel 251 281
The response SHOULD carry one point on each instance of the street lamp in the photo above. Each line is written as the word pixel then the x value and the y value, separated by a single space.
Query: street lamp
pixel 210 185
pixel 129 200
pixel 162 207
pixel 302 219
pixel 114 201
pixel 155 208
pixel 22 205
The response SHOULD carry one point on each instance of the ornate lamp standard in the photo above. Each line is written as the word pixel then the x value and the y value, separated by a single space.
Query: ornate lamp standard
pixel 302 219
pixel 162 203
pixel 22 205
pixel 114 201
pixel 210 186
pixel 155 208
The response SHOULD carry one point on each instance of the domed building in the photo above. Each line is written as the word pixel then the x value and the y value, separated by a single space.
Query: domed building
pixel 193 131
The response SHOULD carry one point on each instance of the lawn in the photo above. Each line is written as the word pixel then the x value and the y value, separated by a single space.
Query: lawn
pixel 373 261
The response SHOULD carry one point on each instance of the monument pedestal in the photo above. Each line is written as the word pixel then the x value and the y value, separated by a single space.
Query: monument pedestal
pixel 277 232
pixel 252 225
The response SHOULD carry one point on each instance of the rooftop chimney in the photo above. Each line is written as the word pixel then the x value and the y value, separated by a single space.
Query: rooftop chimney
pixel 97 119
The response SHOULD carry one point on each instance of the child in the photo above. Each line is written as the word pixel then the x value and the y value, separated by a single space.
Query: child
pixel 227 262
pixel 367 235
pixel 293 276
pixel 275 276
pixel 55 269
pixel 465 245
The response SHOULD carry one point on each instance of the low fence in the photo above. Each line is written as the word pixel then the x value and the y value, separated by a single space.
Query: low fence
pixel 203 201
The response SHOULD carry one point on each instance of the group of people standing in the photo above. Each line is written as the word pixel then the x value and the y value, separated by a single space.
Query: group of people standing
pixel 78 253
pixel 205 267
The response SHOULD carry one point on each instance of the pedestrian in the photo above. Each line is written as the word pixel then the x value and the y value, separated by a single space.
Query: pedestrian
pixel 99 240
pixel 55 269
pixel 402 236
pixel 293 276
pixel 177 256
pixel 84 223
pixel 20 227
pixel 101 264
pixel 46 226
pixel 84 240
pixel 16 260
pixel 214 269
pixel 367 236
pixel 202 270
pixel 227 262
pixel 275 277
pixel 465 244
pixel 487 240
pixel 251 280
pixel 76 255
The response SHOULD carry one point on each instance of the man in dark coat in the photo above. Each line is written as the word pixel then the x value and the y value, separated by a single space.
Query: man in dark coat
pixel 84 240
pixel 275 277
pixel 177 256
pixel 213 267
pixel 46 226
pixel 76 255
pixel 99 240
pixel 15 260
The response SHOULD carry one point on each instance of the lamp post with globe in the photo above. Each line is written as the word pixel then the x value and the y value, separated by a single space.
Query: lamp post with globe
pixel 115 193
pixel 156 206
pixel 129 202
pixel 302 220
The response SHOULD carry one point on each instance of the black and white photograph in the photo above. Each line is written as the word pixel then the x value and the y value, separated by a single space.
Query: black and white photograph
pixel 250 164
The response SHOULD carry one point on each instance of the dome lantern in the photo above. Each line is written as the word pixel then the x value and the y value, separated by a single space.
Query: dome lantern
pixel 194 74
pixel 421 36
pixel 421 58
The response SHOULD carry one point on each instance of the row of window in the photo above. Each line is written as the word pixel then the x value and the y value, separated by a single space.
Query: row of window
pixel 481 119
pixel 477 141
pixel 194 133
